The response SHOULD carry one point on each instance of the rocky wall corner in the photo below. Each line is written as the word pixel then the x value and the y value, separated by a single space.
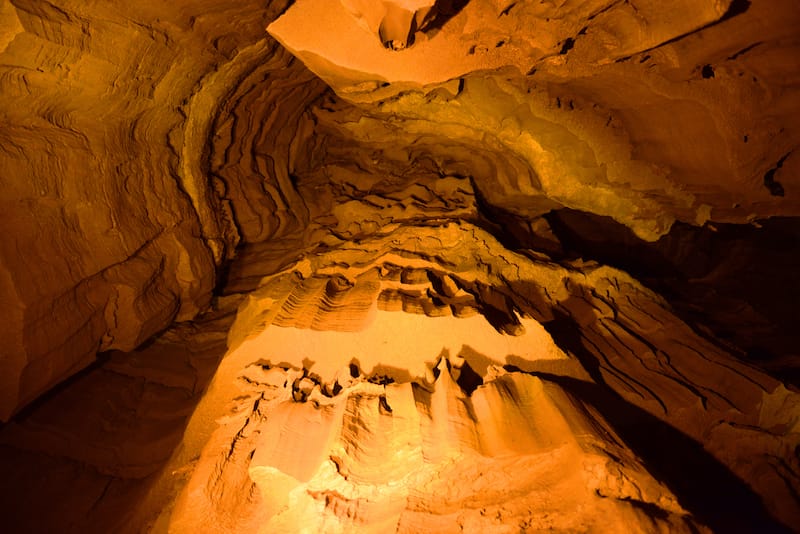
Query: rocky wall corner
pixel 112 229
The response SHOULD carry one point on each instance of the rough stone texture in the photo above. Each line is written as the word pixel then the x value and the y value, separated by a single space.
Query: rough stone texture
pixel 406 457
pixel 630 110
pixel 483 266
pixel 640 365
pixel 111 229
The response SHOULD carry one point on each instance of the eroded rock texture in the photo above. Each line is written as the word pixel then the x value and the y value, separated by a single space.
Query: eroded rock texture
pixel 413 266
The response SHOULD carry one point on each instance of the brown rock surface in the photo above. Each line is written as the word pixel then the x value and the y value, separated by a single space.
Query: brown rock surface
pixel 399 265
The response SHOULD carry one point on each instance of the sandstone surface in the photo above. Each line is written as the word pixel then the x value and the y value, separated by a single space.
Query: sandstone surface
pixel 399 266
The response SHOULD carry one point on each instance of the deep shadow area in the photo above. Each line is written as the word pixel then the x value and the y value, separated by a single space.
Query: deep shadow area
pixel 736 282
pixel 468 379
pixel 52 394
pixel 737 7
pixel 704 486
pixel 107 432
pixel 441 13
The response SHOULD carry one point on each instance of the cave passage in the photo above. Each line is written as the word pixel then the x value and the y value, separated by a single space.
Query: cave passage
pixel 399 266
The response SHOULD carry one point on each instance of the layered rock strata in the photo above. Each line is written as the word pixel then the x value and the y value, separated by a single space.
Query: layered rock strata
pixel 629 359
pixel 450 250
pixel 111 229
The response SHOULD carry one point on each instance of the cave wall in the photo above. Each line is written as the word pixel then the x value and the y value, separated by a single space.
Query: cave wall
pixel 119 210
pixel 111 229
pixel 627 358
pixel 163 163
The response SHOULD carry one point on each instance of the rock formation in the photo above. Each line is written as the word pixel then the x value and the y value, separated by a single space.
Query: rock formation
pixel 400 265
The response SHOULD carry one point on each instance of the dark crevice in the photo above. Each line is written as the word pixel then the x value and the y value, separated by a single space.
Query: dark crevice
pixel 652 510
pixel 508 9
pixel 744 51
pixel 711 493
pixel 700 271
pixel 443 11
pixel 222 274
pixel 736 8
pixel 512 231
pixel 569 43
pixel 775 188
pixel 503 321
pixel 468 379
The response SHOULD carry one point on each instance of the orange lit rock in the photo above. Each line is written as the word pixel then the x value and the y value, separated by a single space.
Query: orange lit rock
pixel 405 458
pixel 445 395
pixel 485 266
pixel 393 21
pixel 614 110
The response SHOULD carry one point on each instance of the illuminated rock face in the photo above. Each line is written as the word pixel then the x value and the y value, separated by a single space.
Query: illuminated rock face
pixel 423 266
pixel 339 421
pixel 517 453
pixel 632 111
